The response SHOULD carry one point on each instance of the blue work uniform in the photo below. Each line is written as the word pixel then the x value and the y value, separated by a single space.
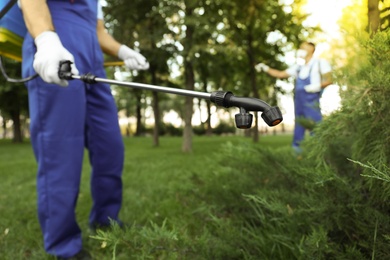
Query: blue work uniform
pixel 64 120
pixel 307 105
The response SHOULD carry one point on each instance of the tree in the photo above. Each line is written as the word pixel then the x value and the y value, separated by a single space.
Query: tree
pixel 373 15
pixel 346 52
pixel 192 23
pixel 13 100
pixel 225 37
pixel 378 15
pixel 144 28
pixel 249 25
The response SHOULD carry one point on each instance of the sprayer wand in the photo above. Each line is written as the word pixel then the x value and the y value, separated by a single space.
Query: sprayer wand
pixel 271 115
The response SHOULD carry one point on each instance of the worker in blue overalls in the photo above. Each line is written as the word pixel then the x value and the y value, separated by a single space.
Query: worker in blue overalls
pixel 312 76
pixel 68 116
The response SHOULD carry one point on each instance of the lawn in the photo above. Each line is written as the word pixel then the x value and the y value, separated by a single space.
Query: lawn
pixel 158 187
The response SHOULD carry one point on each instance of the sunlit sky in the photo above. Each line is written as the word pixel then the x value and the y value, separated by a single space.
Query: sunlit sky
pixel 326 14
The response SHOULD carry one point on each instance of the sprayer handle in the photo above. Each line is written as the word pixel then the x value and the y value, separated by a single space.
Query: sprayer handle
pixel 64 70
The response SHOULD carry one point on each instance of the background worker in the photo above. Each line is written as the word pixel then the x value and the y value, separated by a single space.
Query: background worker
pixel 312 76
pixel 65 119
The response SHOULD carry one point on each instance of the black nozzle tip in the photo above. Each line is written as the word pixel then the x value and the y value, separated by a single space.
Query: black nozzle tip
pixel 244 120
pixel 272 116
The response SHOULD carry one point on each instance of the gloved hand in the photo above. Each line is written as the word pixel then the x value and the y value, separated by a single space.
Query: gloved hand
pixel 313 88
pixel 262 67
pixel 48 56
pixel 133 60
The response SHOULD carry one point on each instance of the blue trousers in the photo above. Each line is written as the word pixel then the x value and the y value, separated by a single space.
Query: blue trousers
pixel 63 122
pixel 306 106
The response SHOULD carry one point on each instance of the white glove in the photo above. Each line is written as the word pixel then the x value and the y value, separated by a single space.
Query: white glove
pixel 133 60
pixel 313 88
pixel 262 67
pixel 48 56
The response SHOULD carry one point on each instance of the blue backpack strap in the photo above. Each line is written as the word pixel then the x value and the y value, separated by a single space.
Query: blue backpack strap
pixel 7 7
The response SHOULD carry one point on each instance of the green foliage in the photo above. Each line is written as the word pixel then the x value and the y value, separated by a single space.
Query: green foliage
pixel 274 206
pixel 306 123
pixel 364 116
pixel 377 174
pixel 359 130
pixel 272 185
pixel 354 142
pixel 146 242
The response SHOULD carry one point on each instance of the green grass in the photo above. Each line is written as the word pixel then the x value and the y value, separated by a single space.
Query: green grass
pixel 158 193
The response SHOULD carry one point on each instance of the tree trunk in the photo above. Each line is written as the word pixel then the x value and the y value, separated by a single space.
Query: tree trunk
pixel 4 128
pixel 188 108
pixel 190 83
pixel 128 129
pixel 138 129
pixel 156 112
pixel 255 92
pixel 187 131
pixel 373 16
pixel 17 126
pixel 255 128
pixel 209 130
pixel 128 125
pixel 155 105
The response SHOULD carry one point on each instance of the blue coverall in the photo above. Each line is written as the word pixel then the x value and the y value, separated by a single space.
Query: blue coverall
pixel 64 120
pixel 306 105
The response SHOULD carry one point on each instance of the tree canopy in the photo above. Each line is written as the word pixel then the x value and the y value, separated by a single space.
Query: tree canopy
pixel 209 45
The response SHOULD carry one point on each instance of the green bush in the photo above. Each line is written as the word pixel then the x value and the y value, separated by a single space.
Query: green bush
pixel 360 129
pixel 364 115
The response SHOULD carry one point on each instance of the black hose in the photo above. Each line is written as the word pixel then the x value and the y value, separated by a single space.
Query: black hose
pixel 11 79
